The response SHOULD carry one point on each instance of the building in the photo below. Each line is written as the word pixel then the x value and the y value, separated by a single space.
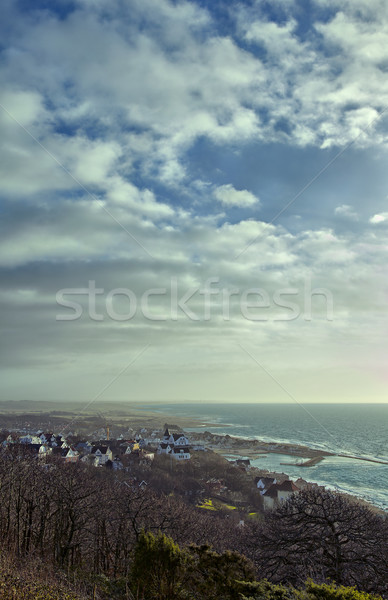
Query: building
pixel 243 463
pixel 69 455
pixel 264 483
pixel 115 464
pixel 278 493
pixel 84 447
pixel 176 445
pixel 30 440
pixel 102 453
pixel 40 450
pixel 181 453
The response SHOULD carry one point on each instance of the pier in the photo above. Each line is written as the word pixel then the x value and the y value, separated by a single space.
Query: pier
pixel 308 463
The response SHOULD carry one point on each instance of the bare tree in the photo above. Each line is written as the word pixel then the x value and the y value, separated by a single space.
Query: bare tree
pixel 328 537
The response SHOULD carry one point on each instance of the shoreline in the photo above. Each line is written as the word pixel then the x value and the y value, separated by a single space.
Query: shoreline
pixel 240 446
pixel 50 416
pixel 252 449
pixel 136 415
pixel 233 448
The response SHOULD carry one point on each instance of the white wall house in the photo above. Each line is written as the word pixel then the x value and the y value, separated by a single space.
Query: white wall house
pixel 264 483
pixel 102 453
pixel 164 448
pixel 278 493
pixel 182 453
pixel 30 439
pixel 176 445
pixel 178 439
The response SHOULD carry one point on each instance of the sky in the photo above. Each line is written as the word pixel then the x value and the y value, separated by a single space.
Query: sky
pixel 194 200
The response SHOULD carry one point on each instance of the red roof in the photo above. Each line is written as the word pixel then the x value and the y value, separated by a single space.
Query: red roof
pixel 286 486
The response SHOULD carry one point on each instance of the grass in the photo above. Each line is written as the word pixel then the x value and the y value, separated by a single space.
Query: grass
pixel 213 504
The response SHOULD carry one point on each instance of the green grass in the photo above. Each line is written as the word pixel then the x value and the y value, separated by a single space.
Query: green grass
pixel 214 504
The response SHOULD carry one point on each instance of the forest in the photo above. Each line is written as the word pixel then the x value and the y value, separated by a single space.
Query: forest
pixel 94 533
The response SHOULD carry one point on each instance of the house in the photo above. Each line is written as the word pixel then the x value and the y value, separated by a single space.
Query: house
pixel 84 447
pixel 302 484
pixel 45 438
pixel 102 453
pixel 180 453
pixel 264 483
pixel 286 489
pixel 59 440
pixel 90 460
pixel 41 450
pixel 115 464
pixel 176 445
pixel 30 439
pixel 243 463
pixel 177 439
pixel 164 448
pixel 130 446
pixel 278 493
pixel 69 455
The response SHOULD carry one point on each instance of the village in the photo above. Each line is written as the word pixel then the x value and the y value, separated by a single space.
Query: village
pixel 170 461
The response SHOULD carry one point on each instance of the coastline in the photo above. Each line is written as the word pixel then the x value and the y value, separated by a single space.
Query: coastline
pixel 233 448
pixel 252 448
pixel 327 467
pixel 150 417
pixel 237 445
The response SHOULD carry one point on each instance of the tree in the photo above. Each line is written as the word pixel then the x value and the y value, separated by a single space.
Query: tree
pixel 325 536
pixel 163 571
pixel 157 569
pixel 264 590
pixel 214 576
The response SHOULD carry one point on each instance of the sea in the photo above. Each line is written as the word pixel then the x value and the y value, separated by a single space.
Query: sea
pixel 359 430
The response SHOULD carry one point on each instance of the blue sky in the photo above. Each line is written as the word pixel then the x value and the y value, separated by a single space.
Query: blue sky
pixel 192 146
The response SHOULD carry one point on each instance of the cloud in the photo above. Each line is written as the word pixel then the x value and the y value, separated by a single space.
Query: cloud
pixel 229 196
pixel 151 106
pixel 328 84
pixel 379 218
pixel 347 211
pixel 192 254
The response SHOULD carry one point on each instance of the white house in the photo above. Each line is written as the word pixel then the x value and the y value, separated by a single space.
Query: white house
pixel 182 453
pixel 164 448
pixel 102 453
pixel 84 447
pixel 68 454
pixel 88 459
pixel 41 450
pixel 264 483
pixel 176 445
pixel 177 439
pixel 278 493
pixel 30 439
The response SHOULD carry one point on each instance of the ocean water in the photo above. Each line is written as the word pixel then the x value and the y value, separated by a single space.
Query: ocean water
pixel 357 430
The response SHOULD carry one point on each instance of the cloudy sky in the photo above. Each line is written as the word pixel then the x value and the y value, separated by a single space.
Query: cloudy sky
pixel 194 200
